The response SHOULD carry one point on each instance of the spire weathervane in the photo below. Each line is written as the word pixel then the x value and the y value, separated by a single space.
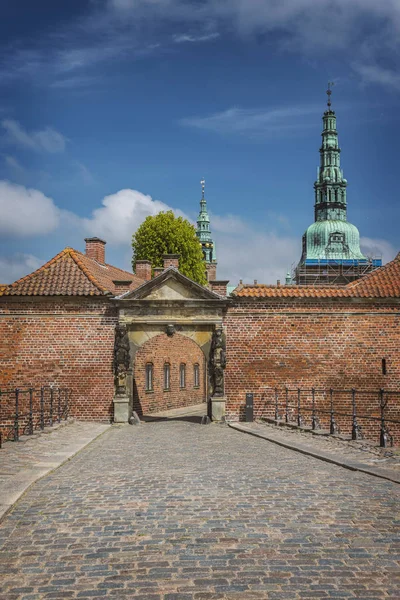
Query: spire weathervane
pixel 203 185
pixel 329 93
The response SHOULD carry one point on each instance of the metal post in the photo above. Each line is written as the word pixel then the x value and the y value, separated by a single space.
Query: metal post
pixel 16 419
pixel 383 436
pixel 59 405
pixel 249 408
pixel 66 404
pixel 314 416
pixel 30 411
pixel 287 405
pixel 355 428
pixel 51 407
pixel 276 405
pixel 332 429
pixel 41 408
pixel 299 419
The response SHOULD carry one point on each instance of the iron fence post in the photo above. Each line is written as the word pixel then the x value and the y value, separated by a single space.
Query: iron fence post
pixel 66 404
pixel 42 408
pixel 16 420
pixel 276 404
pixel 30 411
pixel 51 405
pixel 299 419
pixel 355 428
pixel 383 436
pixel 59 405
pixel 314 416
pixel 287 405
pixel 332 429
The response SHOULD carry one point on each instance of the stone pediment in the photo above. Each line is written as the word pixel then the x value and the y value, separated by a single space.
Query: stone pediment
pixel 171 285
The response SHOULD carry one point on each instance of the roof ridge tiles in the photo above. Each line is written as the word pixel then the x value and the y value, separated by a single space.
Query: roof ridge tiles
pixel 86 271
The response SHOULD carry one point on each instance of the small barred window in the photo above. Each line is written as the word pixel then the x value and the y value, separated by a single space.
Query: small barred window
pixel 149 377
pixel 196 376
pixel 182 376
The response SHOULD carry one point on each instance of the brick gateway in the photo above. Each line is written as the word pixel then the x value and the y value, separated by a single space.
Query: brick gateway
pixel 58 326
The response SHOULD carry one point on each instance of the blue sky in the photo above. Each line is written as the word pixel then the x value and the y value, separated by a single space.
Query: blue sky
pixel 111 110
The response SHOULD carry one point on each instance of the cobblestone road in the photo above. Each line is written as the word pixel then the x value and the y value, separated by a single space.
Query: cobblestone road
pixel 177 511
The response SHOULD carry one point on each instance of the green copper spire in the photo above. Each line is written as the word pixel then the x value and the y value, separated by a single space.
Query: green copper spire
pixel 331 245
pixel 331 236
pixel 203 229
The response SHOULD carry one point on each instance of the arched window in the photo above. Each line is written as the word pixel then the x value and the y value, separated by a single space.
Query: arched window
pixel 182 376
pixel 196 375
pixel 167 376
pixel 149 377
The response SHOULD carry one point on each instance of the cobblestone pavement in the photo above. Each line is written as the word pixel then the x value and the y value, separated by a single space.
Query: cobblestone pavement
pixel 173 510
pixel 360 454
pixel 24 462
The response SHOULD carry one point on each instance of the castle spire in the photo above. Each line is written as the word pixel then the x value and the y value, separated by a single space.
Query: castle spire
pixel 204 233
pixel 331 242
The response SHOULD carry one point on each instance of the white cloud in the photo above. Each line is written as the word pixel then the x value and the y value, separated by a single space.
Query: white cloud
pixel 26 212
pixel 12 162
pixel 370 74
pixel 85 174
pixel 16 266
pixel 121 214
pixel 48 139
pixel 124 29
pixel 256 122
pixel 378 248
pixel 186 37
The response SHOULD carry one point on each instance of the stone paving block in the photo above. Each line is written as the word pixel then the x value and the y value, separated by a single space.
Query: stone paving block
pixel 176 511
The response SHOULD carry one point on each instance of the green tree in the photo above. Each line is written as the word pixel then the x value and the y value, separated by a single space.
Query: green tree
pixel 166 234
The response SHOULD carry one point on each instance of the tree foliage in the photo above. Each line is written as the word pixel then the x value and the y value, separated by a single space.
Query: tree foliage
pixel 166 234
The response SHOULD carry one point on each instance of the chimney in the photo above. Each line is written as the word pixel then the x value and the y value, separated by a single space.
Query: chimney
pixel 122 286
pixel 171 260
pixel 95 248
pixel 211 271
pixel 278 283
pixel 143 269
pixel 255 282
pixel 219 286
pixel 158 271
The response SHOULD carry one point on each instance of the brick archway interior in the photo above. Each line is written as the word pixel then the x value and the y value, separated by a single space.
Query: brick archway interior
pixel 175 351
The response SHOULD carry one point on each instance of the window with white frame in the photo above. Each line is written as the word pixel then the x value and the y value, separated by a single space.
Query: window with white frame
pixel 149 377
pixel 182 375
pixel 167 376
pixel 196 375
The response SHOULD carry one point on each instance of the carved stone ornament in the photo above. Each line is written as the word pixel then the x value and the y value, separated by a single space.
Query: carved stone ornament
pixel 217 362
pixel 170 330
pixel 121 359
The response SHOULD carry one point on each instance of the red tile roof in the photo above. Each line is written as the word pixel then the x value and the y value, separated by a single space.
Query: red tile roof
pixel 3 287
pixel 72 273
pixel 381 283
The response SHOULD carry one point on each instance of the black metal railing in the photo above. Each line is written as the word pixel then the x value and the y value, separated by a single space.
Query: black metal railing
pixel 22 411
pixel 336 410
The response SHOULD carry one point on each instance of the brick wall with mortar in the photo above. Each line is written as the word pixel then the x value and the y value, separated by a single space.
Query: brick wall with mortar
pixel 319 343
pixel 66 342
pixel 173 350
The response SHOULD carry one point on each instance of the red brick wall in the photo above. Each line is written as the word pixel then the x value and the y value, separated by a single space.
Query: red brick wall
pixel 312 343
pixel 174 350
pixel 67 342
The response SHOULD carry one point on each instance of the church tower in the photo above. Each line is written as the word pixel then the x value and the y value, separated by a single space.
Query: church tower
pixel 331 245
pixel 204 235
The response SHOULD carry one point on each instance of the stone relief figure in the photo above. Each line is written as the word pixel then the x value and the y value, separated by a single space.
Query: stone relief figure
pixel 121 359
pixel 218 362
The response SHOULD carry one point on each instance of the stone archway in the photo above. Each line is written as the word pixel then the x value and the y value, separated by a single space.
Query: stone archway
pixel 169 371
